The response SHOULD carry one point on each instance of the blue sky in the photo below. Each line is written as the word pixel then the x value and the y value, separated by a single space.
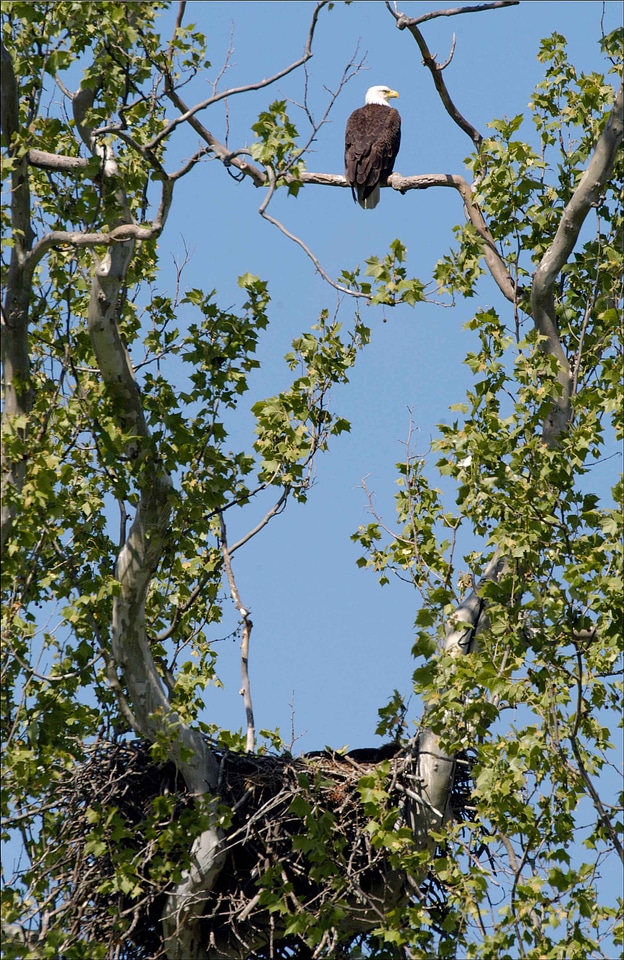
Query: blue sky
pixel 326 637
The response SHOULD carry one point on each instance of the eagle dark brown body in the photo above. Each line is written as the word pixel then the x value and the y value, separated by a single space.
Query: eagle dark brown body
pixel 372 139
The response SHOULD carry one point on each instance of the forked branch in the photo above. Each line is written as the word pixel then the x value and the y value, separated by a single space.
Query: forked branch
pixel 436 69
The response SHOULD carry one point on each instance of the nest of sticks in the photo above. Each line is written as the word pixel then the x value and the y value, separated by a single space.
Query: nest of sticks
pixel 296 832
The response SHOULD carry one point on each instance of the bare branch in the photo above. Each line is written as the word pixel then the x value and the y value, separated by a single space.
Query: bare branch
pixel 448 60
pixel 495 262
pixel 453 12
pixel 436 69
pixel 273 512
pixel 246 634
pixel 604 818
pixel 178 24
pixel 220 151
pixel 291 236
pixel 188 113
pixel 56 161
pixel 350 71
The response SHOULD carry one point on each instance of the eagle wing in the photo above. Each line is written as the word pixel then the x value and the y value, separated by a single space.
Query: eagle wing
pixel 372 139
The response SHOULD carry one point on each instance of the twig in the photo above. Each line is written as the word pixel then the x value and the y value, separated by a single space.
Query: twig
pixel 178 24
pixel 494 260
pixel 273 512
pixel 291 236
pixel 299 241
pixel 350 71
pixel 444 65
pixel 598 805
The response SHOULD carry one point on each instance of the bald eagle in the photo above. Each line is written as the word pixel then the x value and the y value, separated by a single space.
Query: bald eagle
pixel 372 139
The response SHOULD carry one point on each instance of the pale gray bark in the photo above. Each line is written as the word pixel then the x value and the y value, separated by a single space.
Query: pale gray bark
pixel 587 193
pixel 156 721
pixel 436 767
pixel 139 557
pixel 15 313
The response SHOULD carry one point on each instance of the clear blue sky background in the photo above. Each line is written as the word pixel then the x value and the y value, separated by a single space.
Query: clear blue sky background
pixel 326 637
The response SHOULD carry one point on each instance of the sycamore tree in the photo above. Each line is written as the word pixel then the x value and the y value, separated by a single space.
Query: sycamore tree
pixel 146 830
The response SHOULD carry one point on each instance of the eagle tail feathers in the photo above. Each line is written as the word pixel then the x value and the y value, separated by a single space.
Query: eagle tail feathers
pixel 368 201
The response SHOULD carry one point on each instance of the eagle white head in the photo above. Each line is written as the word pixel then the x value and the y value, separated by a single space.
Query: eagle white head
pixel 380 95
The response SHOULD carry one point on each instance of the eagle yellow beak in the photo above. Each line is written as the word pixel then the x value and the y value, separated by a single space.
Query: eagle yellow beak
pixel 391 94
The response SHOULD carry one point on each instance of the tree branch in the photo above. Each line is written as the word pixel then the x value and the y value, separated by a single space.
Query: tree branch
pixel 317 264
pixel 187 114
pixel 435 766
pixel 56 161
pixel 273 512
pixel 495 262
pixel 247 628
pixel 124 232
pixel 436 69
pixel 220 151
pixel 18 396
pixel 603 816
pixel 453 12
pixel 585 196
pixel 493 259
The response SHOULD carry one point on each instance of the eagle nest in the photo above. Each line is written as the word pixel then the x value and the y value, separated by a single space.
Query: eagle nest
pixel 296 833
